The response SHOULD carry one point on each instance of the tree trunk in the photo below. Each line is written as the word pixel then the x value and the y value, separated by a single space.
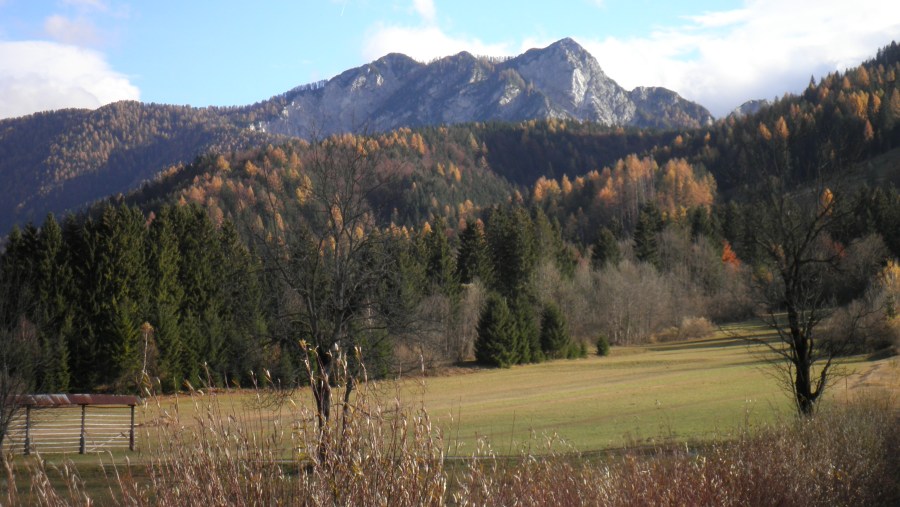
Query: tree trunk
pixel 321 386
pixel 803 394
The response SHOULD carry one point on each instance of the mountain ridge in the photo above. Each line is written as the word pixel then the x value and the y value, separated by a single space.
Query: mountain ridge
pixel 62 160
pixel 560 81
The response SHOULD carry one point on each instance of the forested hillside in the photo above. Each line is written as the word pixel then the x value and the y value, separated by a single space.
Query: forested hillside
pixel 503 243
pixel 60 160
pixel 844 118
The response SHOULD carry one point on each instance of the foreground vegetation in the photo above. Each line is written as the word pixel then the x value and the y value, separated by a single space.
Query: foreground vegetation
pixel 383 455
pixel 685 423
pixel 407 249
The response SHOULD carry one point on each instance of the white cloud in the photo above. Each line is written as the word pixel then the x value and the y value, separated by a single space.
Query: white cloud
pixel 426 9
pixel 721 18
pixel 79 31
pixel 767 48
pixel 720 59
pixel 424 43
pixel 99 5
pixel 40 76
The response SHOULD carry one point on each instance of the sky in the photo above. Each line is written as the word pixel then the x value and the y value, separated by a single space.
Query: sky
pixel 720 53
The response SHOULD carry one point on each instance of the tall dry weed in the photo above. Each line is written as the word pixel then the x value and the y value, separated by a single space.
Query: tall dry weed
pixel 378 453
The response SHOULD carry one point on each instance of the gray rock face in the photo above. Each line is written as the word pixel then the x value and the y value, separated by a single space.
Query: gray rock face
pixel 750 107
pixel 663 108
pixel 560 81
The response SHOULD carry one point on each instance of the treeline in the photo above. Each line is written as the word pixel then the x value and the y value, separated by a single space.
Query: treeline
pixel 57 160
pixel 109 298
pixel 495 250
pixel 112 301
pixel 844 118
pixel 105 299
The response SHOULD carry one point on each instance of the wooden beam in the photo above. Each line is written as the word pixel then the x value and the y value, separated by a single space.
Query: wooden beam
pixel 81 440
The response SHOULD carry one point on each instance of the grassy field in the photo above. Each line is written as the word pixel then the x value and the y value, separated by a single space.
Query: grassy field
pixel 690 391
pixel 687 391
pixel 684 392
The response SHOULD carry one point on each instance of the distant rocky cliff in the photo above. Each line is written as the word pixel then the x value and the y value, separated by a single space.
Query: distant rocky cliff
pixel 562 80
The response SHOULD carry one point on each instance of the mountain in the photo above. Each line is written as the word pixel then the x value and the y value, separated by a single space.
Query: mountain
pixel 561 81
pixel 750 107
pixel 62 160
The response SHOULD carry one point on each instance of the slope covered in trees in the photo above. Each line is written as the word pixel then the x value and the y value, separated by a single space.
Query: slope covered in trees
pixel 60 160
pixel 845 118
pixel 605 233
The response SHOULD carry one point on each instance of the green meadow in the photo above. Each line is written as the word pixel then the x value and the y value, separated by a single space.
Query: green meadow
pixel 687 391
pixel 681 393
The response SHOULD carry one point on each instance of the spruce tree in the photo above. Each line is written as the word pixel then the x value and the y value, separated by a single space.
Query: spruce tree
pixel 605 250
pixel 123 292
pixel 497 342
pixel 473 259
pixel 440 267
pixel 52 311
pixel 510 235
pixel 242 306
pixel 166 300
pixel 527 331
pixel 199 275
pixel 646 248
pixel 702 224
pixel 554 336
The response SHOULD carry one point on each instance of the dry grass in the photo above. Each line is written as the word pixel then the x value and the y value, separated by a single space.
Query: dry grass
pixel 846 455
pixel 265 449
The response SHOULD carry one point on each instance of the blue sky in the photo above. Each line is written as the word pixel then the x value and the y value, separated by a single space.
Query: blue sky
pixel 86 53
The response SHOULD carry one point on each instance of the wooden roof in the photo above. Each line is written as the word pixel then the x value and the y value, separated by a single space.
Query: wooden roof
pixel 68 400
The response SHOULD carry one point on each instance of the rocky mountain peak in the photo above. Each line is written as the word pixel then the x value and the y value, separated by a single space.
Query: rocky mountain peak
pixel 398 63
pixel 562 80
pixel 571 49
pixel 750 107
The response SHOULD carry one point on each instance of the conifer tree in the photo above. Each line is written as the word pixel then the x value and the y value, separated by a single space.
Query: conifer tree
pixel 554 336
pixel 123 291
pixel 200 262
pixel 510 235
pixel 166 299
pixel 242 306
pixel 497 342
pixel 645 235
pixel 473 259
pixel 527 332
pixel 605 249
pixel 440 267
pixel 53 316
pixel 84 344
pixel 702 224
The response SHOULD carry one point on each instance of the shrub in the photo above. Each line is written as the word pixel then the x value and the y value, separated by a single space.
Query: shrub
pixel 690 328
pixel 695 327
pixel 576 350
pixel 555 340
pixel 602 345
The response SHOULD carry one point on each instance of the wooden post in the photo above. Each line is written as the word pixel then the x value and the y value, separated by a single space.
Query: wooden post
pixel 131 433
pixel 81 440
pixel 27 430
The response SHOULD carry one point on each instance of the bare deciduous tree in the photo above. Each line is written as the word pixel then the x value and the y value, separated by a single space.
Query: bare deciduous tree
pixel 800 256
pixel 337 273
